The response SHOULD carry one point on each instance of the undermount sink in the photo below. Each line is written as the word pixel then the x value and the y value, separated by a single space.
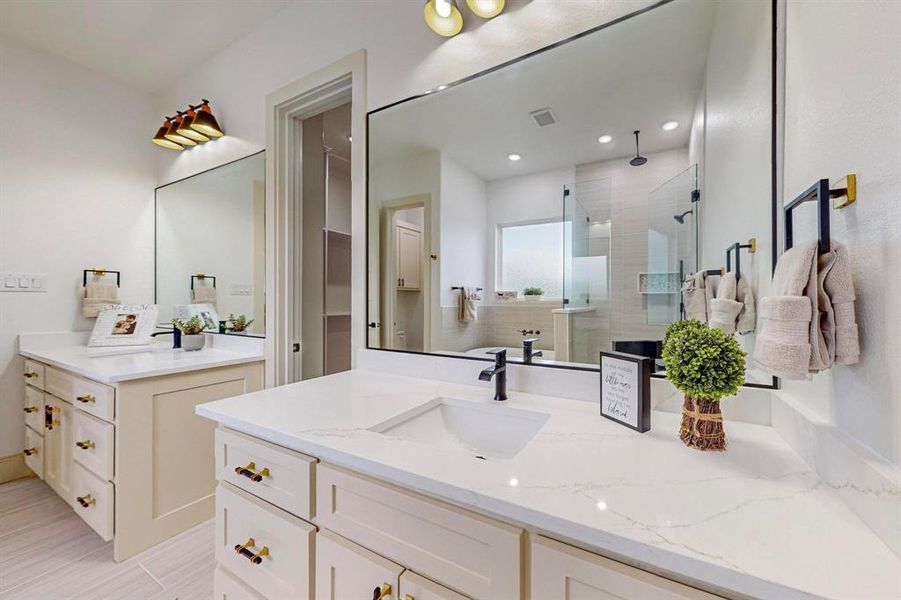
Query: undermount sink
pixel 492 431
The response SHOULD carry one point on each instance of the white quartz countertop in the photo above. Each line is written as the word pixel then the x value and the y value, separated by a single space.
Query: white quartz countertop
pixel 161 359
pixel 755 520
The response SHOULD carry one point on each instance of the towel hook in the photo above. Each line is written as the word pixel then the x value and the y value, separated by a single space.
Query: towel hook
pixel 737 247
pixel 201 276
pixel 100 272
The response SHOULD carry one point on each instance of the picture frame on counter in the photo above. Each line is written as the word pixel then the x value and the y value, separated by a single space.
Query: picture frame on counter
pixel 124 325
pixel 626 389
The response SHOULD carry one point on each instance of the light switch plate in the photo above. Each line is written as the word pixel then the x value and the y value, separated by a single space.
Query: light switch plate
pixel 23 282
pixel 240 289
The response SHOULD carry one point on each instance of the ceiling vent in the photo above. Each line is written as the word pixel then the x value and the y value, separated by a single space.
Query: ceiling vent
pixel 543 117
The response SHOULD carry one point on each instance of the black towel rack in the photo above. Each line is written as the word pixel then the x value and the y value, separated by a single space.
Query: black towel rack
pixel 719 272
pixel 457 287
pixel 100 273
pixel 844 193
pixel 737 248
pixel 201 276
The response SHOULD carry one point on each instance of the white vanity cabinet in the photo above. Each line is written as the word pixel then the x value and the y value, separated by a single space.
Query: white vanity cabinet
pixel 130 457
pixel 346 570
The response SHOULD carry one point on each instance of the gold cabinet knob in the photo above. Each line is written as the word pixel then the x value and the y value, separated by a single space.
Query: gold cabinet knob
pixel 254 557
pixel 409 597
pixel 31 409
pixel 53 409
pixel 87 398
pixel 86 500
pixel 29 451
pixel 29 375
pixel 85 445
pixel 250 472
pixel 380 593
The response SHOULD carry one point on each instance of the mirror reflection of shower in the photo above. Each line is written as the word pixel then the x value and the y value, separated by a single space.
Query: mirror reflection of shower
pixel 680 219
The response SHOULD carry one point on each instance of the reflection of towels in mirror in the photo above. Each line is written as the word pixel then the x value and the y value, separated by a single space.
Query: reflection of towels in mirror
pixel 747 317
pixel 96 295
pixel 203 294
pixel 468 298
pixel 694 297
pixel 724 308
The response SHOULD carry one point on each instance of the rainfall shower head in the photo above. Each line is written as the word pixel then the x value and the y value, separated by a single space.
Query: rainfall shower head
pixel 680 219
pixel 639 159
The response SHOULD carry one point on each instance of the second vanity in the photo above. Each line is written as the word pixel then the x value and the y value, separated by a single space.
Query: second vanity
pixel 368 485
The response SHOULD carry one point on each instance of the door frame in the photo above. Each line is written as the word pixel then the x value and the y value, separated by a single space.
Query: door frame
pixel 342 81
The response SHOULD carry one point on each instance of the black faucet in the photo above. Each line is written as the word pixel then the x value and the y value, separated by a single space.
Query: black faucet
pixel 176 336
pixel 499 371
pixel 527 352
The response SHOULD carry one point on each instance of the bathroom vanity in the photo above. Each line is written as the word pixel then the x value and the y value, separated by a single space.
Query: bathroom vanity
pixel 116 436
pixel 421 489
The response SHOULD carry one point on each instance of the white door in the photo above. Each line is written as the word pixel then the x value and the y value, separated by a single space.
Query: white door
pixel 58 444
pixel 409 257
pixel 417 587
pixel 345 570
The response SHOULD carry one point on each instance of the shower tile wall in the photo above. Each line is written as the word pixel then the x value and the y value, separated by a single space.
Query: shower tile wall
pixel 626 206
pixel 497 325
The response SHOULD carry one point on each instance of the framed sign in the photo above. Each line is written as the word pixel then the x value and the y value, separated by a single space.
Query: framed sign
pixel 124 325
pixel 626 389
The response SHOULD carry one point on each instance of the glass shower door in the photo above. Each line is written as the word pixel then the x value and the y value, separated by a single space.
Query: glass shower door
pixel 672 245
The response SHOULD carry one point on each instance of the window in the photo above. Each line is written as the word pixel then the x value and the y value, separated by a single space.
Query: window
pixel 531 255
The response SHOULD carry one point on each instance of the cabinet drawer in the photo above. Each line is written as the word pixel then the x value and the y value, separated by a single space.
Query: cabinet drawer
pixel 277 556
pixel 277 475
pixel 417 587
pixel 346 570
pixel 93 502
pixel 94 444
pixel 34 374
pixel 59 383
pixel 94 398
pixel 34 408
pixel 561 571
pixel 227 587
pixel 34 451
pixel 473 554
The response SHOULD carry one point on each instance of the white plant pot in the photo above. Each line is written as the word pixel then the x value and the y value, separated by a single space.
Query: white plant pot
pixel 193 342
pixel 533 298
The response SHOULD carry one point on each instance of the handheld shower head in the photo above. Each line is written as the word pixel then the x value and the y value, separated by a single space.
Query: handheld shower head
pixel 680 219
pixel 639 159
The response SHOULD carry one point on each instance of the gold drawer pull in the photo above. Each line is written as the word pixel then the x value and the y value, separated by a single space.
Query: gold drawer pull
pixel 52 409
pixel 86 445
pixel 31 409
pixel 86 500
pixel 30 375
pixel 86 399
pixel 380 593
pixel 409 597
pixel 254 557
pixel 52 423
pixel 29 451
pixel 250 472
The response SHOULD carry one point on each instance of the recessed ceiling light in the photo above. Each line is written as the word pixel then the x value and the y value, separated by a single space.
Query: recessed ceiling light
pixel 514 482
pixel 605 139
pixel 514 156
pixel 669 125
pixel 601 505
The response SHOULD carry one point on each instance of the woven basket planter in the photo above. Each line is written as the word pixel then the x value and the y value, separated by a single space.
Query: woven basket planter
pixel 702 425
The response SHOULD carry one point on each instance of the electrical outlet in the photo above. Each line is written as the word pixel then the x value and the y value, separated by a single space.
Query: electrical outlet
pixel 23 282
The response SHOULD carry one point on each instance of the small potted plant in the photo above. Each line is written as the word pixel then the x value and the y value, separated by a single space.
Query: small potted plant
pixel 238 324
pixel 533 293
pixel 192 337
pixel 704 364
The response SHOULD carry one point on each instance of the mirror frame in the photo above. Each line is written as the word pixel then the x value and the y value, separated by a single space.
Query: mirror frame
pixel 156 231
pixel 774 202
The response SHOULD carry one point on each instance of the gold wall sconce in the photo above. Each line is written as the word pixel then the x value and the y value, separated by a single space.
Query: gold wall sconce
pixel 190 127
pixel 444 18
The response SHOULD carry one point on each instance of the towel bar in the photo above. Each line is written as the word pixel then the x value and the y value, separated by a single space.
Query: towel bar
pixel 201 276
pixel 97 271
pixel 737 247
pixel 457 287
pixel 844 194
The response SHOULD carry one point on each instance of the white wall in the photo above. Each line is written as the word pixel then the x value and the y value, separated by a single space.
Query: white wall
pixel 533 197
pixel 404 58
pixel 842 98
pixel 464 204
pixel 77 172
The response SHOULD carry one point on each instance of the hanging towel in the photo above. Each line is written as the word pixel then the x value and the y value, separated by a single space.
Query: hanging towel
pixel 839 289
pixel 694 297
pixel 468 298
pixel 96 295
pixel 710 285
pixel 724 308
pixel 204 294
pixel 788 331
pixel 747 316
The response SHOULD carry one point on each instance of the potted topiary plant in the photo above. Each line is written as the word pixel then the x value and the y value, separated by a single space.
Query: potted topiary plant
pixel 238 324
pixel 192 337
pixel 533 293
pixel 704 364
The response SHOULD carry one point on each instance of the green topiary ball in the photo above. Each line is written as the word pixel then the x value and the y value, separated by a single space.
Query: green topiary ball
pixel 703 362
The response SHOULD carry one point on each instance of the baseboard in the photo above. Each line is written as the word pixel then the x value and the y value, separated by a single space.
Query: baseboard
pixel 13 467
pixel 868 484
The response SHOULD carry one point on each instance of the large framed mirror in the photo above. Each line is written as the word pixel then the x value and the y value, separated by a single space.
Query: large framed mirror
pixel 560 201
pixel 211 247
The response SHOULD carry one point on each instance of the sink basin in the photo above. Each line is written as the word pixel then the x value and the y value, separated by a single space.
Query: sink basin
pixel 492 431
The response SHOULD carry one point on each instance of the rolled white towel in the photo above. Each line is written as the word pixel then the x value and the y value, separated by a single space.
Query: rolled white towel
pixel 782 347
pixel 746 321
pixel 694 297
pixel 724 308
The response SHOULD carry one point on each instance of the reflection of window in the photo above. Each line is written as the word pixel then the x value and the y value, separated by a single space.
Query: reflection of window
pixel 531 255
